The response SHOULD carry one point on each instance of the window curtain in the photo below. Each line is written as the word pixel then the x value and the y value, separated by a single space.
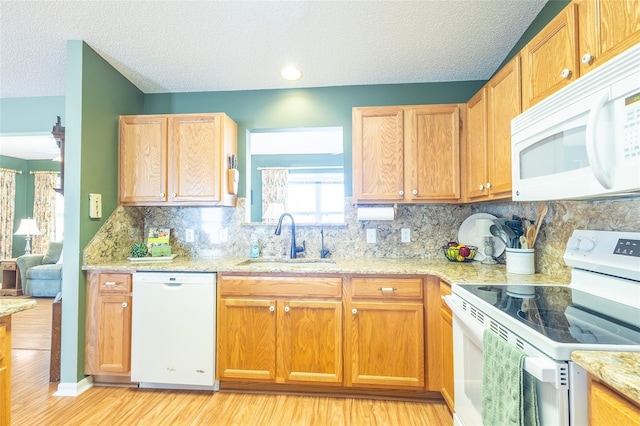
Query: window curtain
pixel 44 209
pixel 275 184
pixel 7 207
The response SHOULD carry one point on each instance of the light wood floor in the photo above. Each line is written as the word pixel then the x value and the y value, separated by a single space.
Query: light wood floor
pixel 33 403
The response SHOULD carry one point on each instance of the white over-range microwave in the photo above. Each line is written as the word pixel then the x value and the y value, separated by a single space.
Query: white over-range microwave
pixel 582 142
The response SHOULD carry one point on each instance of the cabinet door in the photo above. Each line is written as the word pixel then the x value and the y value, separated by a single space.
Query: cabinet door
pixel 378 154
pixel 247 339
pixel 476 147
pixel 143 159
pixel 446 331
pixel 606 28
pixel 549 60
pixel 195 153
pixel 504 104
pixel 114 341
pixel 607 407
pixel 386 344
pixel 432 144
pixel 5 370
pixel 310 341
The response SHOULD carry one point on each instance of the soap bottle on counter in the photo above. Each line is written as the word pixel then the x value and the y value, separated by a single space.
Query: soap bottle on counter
pixel 254 250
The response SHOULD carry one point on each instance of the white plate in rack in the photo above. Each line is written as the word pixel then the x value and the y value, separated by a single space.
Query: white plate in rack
pixel 468 234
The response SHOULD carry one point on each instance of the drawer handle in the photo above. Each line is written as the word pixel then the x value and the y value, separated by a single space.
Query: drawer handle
pixel 111 283
pixel 387 289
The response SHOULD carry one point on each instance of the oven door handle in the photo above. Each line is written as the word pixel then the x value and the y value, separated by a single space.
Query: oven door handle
pixel 543 369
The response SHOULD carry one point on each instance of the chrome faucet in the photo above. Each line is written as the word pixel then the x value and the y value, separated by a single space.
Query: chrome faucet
pixel 294 248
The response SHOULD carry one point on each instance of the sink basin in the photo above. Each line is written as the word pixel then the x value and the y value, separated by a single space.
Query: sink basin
pixel 287 263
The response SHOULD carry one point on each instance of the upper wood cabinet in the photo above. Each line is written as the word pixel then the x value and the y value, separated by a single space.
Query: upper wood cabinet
pixel 487 150
pixel 177 159
pixel 406 154
pixel 550 60
pixel 606 28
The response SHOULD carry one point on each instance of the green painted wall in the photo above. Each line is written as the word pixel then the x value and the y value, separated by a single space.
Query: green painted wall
pixel 315 107
pixel 30 115
pixel 95 95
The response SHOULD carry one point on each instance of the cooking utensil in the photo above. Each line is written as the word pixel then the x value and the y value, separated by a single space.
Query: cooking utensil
pixel 542 212
pixel 530 234
pixel 524 243
pixel 496 233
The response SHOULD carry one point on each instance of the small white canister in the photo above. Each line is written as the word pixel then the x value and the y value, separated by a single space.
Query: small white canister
pixel 521 261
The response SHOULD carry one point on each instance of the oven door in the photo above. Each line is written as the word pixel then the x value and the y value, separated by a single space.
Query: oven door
pixel 553 378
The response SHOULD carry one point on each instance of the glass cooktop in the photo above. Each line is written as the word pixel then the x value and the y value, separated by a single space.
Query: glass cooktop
pixel 584 318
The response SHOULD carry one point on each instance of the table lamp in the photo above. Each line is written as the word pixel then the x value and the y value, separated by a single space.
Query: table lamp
pixel 28 228
pixel 482 229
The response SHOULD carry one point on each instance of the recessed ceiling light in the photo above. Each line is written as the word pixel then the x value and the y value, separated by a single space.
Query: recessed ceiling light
pixel 291 73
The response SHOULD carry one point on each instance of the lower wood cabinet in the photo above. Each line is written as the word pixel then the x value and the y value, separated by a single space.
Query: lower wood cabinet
pixel 280 329
pixel 385 333
pixel 446 345
pixel 108 324
pixel 608 407
pixel 5 370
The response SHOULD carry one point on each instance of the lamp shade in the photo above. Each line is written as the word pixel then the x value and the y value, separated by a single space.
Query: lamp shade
pixel 28 227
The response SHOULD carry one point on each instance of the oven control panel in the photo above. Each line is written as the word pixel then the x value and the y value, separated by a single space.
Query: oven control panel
pixel 626 247
pixel 609 252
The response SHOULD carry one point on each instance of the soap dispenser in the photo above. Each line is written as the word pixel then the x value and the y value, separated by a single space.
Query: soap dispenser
pixel 254 250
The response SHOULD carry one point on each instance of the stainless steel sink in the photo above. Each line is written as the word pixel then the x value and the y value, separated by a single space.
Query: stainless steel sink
pixel 287 263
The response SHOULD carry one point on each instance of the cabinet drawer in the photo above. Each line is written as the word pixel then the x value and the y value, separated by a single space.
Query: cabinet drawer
pixel 280 286
pixel 114 283
pixel 9 266
pixel 387 288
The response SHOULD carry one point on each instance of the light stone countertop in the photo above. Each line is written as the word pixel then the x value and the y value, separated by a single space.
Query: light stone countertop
pixel 11 306
pixel 452 272
pixel 620 370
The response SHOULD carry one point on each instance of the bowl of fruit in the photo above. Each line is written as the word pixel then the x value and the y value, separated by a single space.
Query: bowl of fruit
pixel 455 252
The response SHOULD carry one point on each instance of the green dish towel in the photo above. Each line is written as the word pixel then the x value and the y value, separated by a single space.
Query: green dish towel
pixel 508 392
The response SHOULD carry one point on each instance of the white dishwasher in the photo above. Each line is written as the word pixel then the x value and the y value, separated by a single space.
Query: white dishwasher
pixel 173 341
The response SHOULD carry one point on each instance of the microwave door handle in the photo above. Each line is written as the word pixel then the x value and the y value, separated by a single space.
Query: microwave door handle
pixel 603 176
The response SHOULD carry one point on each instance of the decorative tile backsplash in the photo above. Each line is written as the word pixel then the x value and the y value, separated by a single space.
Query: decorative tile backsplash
pixel 431 226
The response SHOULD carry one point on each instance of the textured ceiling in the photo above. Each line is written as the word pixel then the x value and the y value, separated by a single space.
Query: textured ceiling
pixel 192 46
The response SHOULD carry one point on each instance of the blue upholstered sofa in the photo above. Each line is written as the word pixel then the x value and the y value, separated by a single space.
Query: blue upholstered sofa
pixel 41 274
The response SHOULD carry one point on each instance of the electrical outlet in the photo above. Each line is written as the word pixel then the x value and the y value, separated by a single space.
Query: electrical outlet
pixel 405 235
pixel 371 236
pixel 190 235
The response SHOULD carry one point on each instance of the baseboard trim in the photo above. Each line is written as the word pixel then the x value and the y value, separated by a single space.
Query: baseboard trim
pixel 74 389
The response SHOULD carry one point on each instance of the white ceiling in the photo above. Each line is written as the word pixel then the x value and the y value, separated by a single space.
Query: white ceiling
pixel 29 147
pixel 190 46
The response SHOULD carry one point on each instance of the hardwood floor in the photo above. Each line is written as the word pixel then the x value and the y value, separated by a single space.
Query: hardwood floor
pixel 34 404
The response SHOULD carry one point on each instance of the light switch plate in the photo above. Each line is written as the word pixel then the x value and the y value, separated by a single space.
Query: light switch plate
pixel 95 206
pixel 189 235
pixel 405 235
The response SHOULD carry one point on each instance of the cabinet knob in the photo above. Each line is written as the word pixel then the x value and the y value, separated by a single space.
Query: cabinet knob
pixel 566 73
pixel 488 185
pixel 162 195
pixel 401 192
pixel 173 194
pixel 272 308
pixel 354 311
pixel 481 187
pixel 287 309
pixel 587 58
pixel 414 192
pixel 125 304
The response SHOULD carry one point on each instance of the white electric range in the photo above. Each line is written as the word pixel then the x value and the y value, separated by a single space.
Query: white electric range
pixel 602 312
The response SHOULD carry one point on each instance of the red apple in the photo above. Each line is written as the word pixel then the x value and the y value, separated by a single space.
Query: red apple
pixel 452 244
pixel 465 251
